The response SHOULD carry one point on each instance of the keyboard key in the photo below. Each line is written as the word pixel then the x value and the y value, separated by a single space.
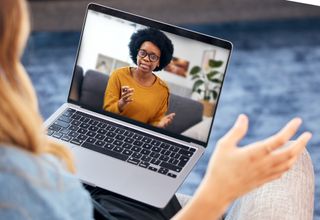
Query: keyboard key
pixel 91 133
pixel 111 128
pixel 65 131
pixel 65 118
pixel 154 155
pixel 163 171
pixel 73 128
pixel 55 127
pixel 57 135
pixel 164 158
pixel 120 137
pixel 109 146
pixel 82 137
pixel 144 164
pixel 93 128
pixel 172 175
pixel 118 149
pixel 156 143
pixel 185 153
pixel 137 137
pixel 146 159
pixel 102 125
pixel 146 140
pixel 82 131
pixel 105 151
pixel 84 119
pixel 133 161
pixel 76 141
pixel 127 146
pixel 111 134
pixel 156 149
pixel 102 131
pixel 170 166
pixel 66 138
pixel 145 152
pixel 165 146
pixel 75 122
pixel 147 146
pixel 108 139
pixel 192 150
pixel 136 155
pixel 99 136
pixel 129 140
pixel 155 161
pixel 117 143
pixel 50 132
pixel 128 133
pixel 76 117
pixel 165 152
pixel 100 143
pixel 93 122
pixel 91 140
pixel 138 143
pixel 84 125
pixel 152 168
pixel 136 149
pixel 127 152
pixel 119 131
pixel 73 134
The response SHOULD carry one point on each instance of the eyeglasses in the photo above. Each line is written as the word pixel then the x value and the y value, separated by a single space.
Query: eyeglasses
pixel 152 57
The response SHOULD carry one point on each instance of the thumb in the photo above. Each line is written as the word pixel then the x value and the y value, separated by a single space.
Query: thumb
pixel 237 132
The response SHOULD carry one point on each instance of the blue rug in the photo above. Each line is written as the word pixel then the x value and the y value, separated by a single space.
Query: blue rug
pixel 273 76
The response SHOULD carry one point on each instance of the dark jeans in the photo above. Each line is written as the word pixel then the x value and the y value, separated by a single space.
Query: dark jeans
pixel 111 206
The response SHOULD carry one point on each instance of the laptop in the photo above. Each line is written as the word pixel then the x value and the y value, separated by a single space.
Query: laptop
pixel 121 154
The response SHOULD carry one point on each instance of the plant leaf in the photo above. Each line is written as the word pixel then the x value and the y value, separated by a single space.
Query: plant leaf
pixel 195 70
pixel 214 94
pixel 212 74
pixel 215 63
pixel 196 84
pixel 195 77
pixel 216 81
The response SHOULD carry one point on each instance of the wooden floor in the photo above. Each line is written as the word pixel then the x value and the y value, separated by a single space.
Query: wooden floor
pixel 55 15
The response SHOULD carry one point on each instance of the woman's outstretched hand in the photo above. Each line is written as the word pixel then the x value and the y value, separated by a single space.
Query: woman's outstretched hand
pixel 234 171
pixel 166 120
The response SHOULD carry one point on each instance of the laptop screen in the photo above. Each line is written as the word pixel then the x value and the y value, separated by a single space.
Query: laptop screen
pixel 149 73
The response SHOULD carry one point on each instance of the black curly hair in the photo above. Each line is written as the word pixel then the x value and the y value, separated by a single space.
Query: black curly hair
pixel 157 38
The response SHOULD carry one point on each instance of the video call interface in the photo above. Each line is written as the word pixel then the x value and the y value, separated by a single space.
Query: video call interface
pixel 187 86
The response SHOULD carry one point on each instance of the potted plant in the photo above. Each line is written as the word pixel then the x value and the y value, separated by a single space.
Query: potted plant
pixel 207 83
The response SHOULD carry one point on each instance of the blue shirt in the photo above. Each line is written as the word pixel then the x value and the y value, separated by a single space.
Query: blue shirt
pixel 38 187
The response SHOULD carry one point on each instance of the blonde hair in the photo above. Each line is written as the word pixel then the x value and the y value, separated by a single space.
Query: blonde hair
pixel 20 122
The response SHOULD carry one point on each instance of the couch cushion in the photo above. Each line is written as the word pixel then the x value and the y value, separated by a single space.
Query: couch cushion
pixel 93 88
pixel 188 113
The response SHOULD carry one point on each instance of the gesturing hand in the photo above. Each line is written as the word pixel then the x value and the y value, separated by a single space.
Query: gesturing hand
pixel 166 120
pixel 239 170
pixel 126 97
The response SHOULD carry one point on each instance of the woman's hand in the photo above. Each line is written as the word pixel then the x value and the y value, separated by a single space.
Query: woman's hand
pixel 126 97
pixel 166 120
pixel 233 171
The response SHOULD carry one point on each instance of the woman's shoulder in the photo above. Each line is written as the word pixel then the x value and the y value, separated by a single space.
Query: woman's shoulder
pixel 162 84
pixel 35 186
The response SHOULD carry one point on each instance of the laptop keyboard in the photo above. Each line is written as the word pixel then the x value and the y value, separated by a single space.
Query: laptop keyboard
pixel 144 150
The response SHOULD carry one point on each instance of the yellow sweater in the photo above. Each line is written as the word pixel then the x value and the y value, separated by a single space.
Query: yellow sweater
pixel 149 104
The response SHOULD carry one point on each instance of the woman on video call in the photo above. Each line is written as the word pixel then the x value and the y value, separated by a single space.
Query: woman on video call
pixel 136 92
pixel 37 174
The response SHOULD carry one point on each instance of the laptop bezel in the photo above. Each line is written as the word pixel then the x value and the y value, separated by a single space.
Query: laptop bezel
pixel 164 27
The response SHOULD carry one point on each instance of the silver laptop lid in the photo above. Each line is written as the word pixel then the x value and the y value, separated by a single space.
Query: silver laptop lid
pixel 194 77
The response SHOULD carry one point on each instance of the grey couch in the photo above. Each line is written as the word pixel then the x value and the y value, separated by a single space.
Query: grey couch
pixel 90 88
